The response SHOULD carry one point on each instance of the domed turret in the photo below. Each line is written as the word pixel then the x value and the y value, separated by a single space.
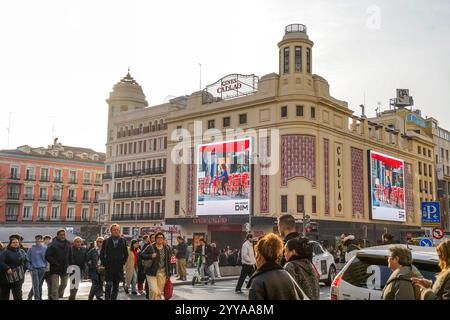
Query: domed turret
pixel 127 92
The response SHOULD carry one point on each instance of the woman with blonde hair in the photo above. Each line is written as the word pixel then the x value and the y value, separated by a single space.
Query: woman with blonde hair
pixel 271 281
pixel 440 290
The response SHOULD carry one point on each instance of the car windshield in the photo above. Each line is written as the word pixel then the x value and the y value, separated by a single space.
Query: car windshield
pixel 373 272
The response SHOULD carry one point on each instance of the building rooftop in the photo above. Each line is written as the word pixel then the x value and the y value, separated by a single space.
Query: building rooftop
pixel 59 151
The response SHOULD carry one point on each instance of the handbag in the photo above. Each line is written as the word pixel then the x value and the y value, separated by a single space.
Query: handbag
pixel 16 275
pixel 168 289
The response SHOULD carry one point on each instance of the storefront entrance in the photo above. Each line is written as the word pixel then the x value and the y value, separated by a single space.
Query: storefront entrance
pixel 227 235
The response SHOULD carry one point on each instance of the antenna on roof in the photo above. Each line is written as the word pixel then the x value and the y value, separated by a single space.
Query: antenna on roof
pixel 9 129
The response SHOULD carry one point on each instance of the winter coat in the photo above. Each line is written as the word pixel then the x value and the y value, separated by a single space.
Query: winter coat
pixel 153 270
pixel 223 259
pixel 78 257
pixel 215 254
pixel 92 258
pixel 399 285
pixel 272 282
pixel 290 236
pixel 208 254
pixel 181 251
pixel 440 289
pixel 303 272
pixel 10 258
pixel 114 258
pixel 248 254
pixel 58 255
pixel 130 266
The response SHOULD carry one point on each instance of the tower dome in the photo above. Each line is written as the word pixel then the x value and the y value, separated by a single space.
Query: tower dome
pixel 128 90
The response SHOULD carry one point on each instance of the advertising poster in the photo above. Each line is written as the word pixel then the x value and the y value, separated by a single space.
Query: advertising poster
pixel 387 187
pixel 223 178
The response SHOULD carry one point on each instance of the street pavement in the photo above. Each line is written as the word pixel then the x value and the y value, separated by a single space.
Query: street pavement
pixel 223 289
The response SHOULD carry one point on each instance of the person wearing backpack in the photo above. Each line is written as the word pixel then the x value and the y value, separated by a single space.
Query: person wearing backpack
pixel 399 285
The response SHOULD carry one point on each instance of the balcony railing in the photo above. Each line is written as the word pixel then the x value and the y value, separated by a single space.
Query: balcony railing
pixel 73 181
pixel 137 216
pixel 30 177
pixel 86 181
pixel 56 198
pixel 98 183
pixel 86 200
pixel 12 217
pixel 27 196
pixel 13 196
pixel 44 178
pixel 157 170
pixel 137 131
pixel 139 172
pixel 57 180
pixel 107 176
pixel 135 194
pixel 14 177
pixel 123 174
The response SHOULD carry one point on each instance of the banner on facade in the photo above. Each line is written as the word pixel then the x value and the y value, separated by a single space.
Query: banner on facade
pixel 387 187
pixel 223 178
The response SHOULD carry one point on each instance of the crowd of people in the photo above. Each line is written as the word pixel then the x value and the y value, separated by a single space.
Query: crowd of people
pixel 279 266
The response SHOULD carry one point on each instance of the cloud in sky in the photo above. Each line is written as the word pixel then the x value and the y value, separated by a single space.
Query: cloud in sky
pixel 60 59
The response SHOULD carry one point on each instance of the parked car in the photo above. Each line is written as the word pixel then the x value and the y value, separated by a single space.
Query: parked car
pixel 365 275
pixel 324 263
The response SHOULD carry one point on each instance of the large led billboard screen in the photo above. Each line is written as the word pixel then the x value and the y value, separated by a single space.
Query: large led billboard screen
pixel 387 187
pixel 224 178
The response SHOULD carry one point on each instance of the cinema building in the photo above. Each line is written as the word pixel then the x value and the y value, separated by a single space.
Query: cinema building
pixel 298 150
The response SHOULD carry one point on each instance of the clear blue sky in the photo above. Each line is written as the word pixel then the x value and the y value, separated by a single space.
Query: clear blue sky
pixel 60 59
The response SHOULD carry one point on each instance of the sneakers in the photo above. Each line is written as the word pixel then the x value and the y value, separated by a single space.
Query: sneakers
pixel 238 291
pixel 134 293
pixel 126 290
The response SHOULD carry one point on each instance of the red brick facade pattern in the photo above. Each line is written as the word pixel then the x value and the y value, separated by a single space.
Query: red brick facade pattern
pixel 409 197
pixel 357 158
pixel 264 148
pixel 298 158
pixel 326 167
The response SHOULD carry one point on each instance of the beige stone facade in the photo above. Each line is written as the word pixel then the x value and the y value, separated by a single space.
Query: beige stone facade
pixel 321 150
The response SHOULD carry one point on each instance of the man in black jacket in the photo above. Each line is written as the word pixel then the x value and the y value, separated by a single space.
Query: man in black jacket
pixel 287 230
pixel 204 251
pixel 78 257
pixel 181 253
pixel 57 255
pixel 113 256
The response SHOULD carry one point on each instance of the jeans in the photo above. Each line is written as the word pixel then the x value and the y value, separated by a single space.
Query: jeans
pixel 247 270
pixel 207 271
pixel 57 288
pixel 37 277
pixel 15 288
pixel 112 289
pixel 216 269
pixel 96 287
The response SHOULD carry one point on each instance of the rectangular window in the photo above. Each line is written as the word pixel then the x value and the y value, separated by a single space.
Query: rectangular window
pixel 299 111
pixel 284 204
pixel 442 154
pixel 243 118
pixel 431 187
pixel 210 124
pixel 313 112
pixel 14 173
pixel 28 193
pixel 27 213
pixel 55 213
pixel 95 214
pixel 419 150
pixel 420 167
pixel 71 195
pixel 73 176
pixel 29 174
pixel 314 205
pixel 57 175
pixel 298 59
pixel 85 214
pixel 70 214
pixel 177 207
pixel 446 155
pixel 430 171
pixel 300 203
pixel 44 174
pixel 286 60
pixel 308 60
pixel 42 213
pixel 425 169
pixel 85 195
pixel 284 111
pixel 420 186
pixel 429 153
pixel 226 122
pixel 424 151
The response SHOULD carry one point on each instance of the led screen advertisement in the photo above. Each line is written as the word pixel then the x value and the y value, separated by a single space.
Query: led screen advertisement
pixel 387 187
pixel 224 178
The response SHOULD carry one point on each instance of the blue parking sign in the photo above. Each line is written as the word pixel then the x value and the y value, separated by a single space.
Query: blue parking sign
pixel 431 214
